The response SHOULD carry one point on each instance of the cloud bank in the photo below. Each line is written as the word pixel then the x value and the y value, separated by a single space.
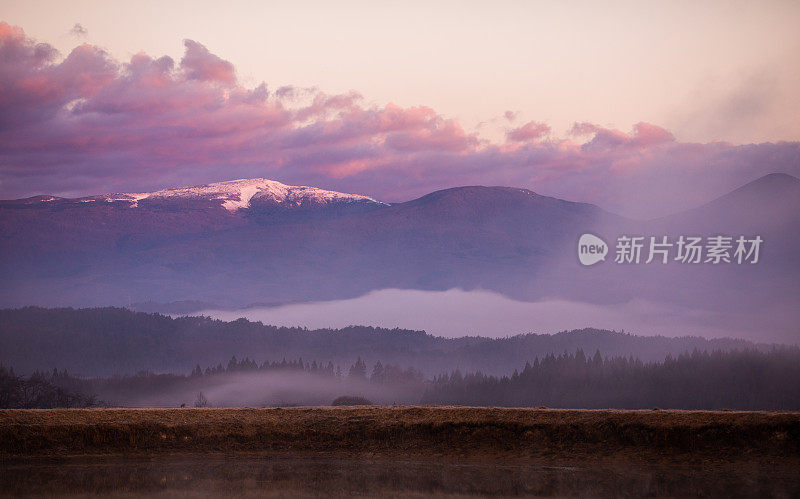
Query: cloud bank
pixel 87 123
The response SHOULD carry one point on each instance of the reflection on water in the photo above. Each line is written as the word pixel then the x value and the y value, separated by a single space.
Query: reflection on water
pixel 269 476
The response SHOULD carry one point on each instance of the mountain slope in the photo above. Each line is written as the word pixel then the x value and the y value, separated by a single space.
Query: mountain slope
pixel 256 241
pixel 762 295
pixel 46 229
pixel 769 203
pixel 250 241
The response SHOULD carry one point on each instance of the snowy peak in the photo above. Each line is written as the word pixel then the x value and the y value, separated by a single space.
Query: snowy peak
pixel 240 194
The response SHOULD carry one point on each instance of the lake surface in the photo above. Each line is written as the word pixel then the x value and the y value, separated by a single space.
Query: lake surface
pixel 250 476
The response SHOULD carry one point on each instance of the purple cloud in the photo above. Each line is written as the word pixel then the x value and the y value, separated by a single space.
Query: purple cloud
pixel 200 64
pixel 87 124
pixel 531 130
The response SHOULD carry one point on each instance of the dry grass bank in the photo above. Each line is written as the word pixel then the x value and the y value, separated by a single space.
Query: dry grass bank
pixel 409 431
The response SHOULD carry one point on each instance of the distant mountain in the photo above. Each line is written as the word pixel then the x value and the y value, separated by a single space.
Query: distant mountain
pixel 48 225
pixel 233 196
pixel 768 207
pixel 108 341
pixel 258 241
pixel 769 204
pixel 242 242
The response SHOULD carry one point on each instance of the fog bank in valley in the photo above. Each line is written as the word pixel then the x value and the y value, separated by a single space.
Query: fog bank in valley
pixel 456 313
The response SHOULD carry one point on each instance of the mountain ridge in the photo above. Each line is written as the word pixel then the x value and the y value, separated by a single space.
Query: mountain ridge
pixel 109 341
pixel 506 240
pixel 233 194
pixel 238 194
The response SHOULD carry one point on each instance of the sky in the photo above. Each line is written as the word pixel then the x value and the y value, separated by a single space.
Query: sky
pixel 644 108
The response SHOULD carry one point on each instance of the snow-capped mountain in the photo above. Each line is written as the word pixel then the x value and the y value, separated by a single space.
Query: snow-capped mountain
pixel 233 195
pixel 260 241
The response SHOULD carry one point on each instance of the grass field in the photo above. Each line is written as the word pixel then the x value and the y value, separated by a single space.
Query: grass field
pixel 667 436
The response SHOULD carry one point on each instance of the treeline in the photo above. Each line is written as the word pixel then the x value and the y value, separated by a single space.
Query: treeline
pixel 744 380
pixel 357 371
pixel 37 392
pixel 110 341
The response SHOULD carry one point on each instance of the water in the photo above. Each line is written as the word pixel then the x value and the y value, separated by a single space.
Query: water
pixel 254 476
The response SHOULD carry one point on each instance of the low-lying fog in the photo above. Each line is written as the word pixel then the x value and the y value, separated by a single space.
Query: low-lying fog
pixel 456 313
pixel 260 389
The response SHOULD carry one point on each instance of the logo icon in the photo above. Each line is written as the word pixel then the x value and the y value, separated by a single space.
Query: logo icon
pixel 591 249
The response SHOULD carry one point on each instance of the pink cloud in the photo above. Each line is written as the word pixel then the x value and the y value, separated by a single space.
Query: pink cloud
pixel 86 124
pixel 200 64
pixel 445 135
pixel 324 104
pixel 583 128
pixel 532 130
pixel 646 134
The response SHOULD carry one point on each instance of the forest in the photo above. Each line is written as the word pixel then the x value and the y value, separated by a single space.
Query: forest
pixel 741 380
pixel 104 342
pixel 718 380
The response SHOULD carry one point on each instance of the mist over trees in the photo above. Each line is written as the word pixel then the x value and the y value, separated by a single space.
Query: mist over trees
pixel 116 357
pixel 239 382
pixel 741 380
